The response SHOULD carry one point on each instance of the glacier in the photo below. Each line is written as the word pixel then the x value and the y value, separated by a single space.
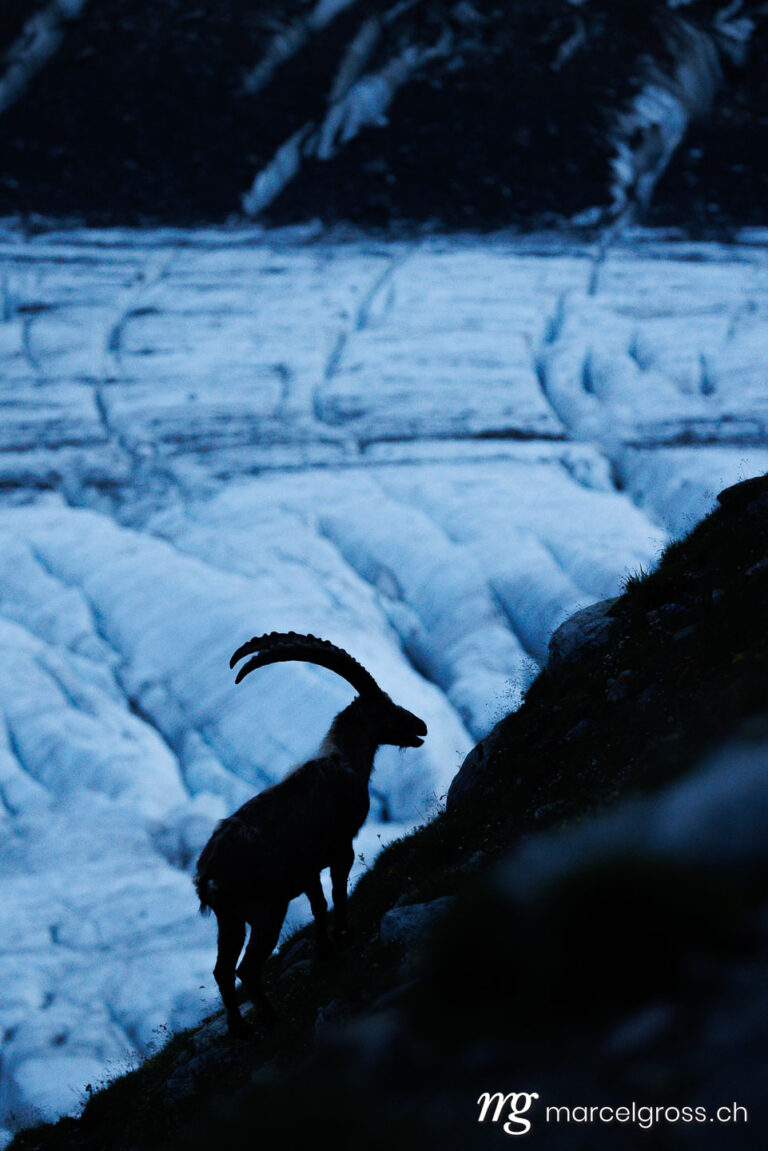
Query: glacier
pixel 429 450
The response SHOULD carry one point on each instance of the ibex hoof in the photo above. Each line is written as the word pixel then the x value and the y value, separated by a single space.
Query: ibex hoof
pixel 239 1029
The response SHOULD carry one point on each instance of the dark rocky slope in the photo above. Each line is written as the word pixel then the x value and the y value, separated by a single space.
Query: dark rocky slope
pixel 500 114
pixel 588 920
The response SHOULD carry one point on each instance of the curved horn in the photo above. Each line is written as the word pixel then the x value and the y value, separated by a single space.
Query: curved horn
pixel 278 646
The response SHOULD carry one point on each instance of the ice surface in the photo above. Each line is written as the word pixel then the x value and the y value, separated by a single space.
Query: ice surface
pixel 428 451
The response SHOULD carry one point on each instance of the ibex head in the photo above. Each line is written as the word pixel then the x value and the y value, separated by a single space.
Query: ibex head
pixel 397 725
pixel 390 722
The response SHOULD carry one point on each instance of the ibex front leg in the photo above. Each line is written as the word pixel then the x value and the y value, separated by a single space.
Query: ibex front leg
pixel 320 913
pixel 341 866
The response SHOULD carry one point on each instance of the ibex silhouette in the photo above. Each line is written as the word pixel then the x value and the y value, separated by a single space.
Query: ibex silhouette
pixel 274 847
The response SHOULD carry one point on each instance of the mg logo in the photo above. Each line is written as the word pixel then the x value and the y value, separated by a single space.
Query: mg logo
pixel 514 1106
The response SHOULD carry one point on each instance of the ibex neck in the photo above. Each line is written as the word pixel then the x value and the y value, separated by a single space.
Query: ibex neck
pixel 351 734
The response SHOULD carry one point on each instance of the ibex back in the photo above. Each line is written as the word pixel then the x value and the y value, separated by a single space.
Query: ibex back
pixel 275 846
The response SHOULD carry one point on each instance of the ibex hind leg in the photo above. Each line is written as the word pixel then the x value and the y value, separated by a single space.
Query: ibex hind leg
pixel 265 922
pixel 231 939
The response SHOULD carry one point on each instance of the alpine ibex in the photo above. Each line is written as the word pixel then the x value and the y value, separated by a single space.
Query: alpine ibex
pixel 275 846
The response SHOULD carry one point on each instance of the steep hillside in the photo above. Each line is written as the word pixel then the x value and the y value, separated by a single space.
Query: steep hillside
pixel 468 114
pixel 538 936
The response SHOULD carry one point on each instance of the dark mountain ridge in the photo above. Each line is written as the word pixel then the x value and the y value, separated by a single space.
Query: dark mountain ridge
pixel 425 112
